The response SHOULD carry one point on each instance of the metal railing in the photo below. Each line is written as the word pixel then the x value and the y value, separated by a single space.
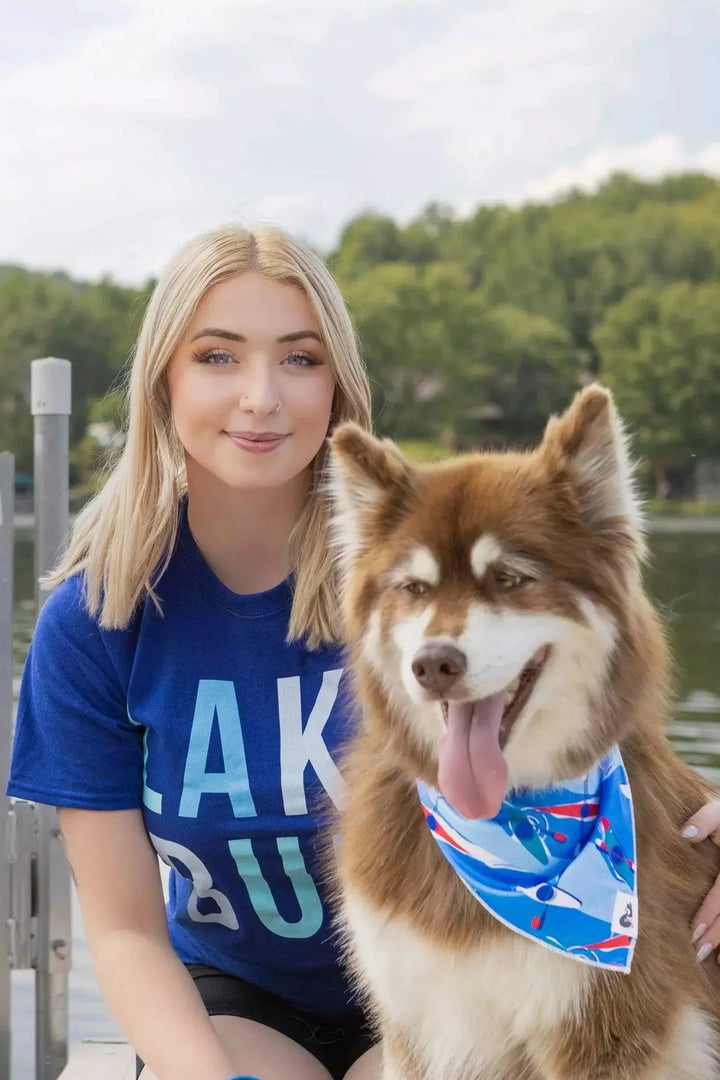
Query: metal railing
pixel 7 501
pixel 35 930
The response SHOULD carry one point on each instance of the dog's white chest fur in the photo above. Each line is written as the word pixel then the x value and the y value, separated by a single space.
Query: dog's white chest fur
pixel 463 1013
pixel 460 1008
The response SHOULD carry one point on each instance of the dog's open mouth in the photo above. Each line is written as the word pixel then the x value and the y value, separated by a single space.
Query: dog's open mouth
pixel 518 693
pixel 472 773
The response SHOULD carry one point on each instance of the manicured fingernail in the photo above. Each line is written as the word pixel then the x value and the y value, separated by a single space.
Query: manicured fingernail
pixel 689 831
pixel 704 951
pixel 698 932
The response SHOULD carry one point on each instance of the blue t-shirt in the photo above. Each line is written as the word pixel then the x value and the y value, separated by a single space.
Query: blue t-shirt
pixel 225 735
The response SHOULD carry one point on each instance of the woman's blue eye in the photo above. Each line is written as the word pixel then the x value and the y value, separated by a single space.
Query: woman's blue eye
pixel 213 356
pixel 221 357
pixel 300 359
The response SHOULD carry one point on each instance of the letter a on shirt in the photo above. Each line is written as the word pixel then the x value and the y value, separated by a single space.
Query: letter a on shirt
pixel 216 698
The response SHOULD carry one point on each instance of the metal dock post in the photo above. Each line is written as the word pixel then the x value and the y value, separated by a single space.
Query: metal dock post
pixel 7 506
pixel 50 402
pixel 35 911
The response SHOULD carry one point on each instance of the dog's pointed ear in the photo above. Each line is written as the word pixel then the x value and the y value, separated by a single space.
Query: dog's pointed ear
pixel 364 473
pixel 589 444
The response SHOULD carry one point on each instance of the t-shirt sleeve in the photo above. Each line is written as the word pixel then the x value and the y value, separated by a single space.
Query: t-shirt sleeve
pixel 74 743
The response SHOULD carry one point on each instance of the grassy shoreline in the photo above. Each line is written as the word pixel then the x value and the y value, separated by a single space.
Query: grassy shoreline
pixel 683 508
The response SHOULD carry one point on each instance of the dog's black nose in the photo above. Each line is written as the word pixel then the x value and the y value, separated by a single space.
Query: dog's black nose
pixel 438 666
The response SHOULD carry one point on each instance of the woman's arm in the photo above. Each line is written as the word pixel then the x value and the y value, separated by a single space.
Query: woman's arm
pixel 146 986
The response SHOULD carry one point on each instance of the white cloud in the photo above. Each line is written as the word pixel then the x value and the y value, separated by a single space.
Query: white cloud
pixel 661 154
pixel 517 82
pixel 707 160
pixel 147 129
pixel 169 116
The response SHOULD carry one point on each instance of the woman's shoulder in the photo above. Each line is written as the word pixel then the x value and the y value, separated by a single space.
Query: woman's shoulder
pixel 69 639
pixel 66 606
pixel 66 617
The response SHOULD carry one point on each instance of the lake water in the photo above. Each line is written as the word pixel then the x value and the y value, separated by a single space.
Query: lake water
pixel 684 578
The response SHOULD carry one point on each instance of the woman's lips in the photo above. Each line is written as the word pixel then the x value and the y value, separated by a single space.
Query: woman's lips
pixel 261 443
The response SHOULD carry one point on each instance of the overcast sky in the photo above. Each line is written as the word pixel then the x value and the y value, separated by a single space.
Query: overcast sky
pixel 126 126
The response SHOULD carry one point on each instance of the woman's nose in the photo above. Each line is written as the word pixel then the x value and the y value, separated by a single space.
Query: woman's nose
pixel 259 393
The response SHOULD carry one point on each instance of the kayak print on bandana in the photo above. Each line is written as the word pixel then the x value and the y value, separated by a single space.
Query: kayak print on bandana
pixel 557 866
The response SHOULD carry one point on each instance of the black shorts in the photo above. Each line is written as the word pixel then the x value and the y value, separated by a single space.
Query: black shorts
pixel 336 1042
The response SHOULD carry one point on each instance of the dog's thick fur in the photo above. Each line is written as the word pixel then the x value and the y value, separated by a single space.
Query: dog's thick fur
pixel 457 995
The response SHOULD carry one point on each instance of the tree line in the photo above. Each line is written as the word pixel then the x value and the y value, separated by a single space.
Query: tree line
pixel 474 328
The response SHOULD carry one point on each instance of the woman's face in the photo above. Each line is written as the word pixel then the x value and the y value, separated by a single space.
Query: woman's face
pixel 251 387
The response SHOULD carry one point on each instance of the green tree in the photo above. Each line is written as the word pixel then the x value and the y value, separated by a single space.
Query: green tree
pixel 366 242
pixel 416 327
pixel 522 368
pixel 660 351
pixel 443 364
pixel 50 315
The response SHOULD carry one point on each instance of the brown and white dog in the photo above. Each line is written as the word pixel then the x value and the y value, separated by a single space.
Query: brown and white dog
pixel 515 572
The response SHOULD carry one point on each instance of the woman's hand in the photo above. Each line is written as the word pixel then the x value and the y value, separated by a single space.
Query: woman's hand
pixel 706 924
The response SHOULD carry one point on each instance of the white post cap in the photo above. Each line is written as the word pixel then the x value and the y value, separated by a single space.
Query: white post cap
pixel 50 381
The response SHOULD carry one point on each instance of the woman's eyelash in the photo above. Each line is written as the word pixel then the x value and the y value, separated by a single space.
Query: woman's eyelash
pixel 219 357
pixel 312 361
pixel 212 356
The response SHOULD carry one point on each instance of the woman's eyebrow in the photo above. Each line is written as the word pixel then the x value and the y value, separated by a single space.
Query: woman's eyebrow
pixel 298 335
pixel 230 335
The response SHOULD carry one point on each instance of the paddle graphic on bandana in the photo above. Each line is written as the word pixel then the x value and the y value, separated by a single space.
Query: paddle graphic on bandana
pixel 557 866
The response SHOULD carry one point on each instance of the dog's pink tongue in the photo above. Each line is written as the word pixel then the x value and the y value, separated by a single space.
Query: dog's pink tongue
pixel 472 773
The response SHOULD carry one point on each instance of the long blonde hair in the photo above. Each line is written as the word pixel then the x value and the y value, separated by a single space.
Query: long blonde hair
pixel 124 537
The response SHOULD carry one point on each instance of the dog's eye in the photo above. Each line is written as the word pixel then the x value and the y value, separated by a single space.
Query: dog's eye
pixel 507 579
pixel 416 588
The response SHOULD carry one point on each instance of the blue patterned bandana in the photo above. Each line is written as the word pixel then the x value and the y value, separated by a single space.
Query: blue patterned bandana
pixel 557 866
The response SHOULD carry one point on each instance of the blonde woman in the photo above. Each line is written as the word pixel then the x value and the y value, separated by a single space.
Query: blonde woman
pixel 184 693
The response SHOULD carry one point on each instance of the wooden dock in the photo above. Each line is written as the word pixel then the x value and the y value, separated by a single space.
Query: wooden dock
pixel 98 1059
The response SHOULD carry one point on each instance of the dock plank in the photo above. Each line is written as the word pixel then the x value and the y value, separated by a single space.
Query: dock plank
pixel 98 1060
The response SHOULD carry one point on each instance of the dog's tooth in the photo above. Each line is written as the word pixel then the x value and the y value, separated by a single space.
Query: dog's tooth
pixel 514 685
